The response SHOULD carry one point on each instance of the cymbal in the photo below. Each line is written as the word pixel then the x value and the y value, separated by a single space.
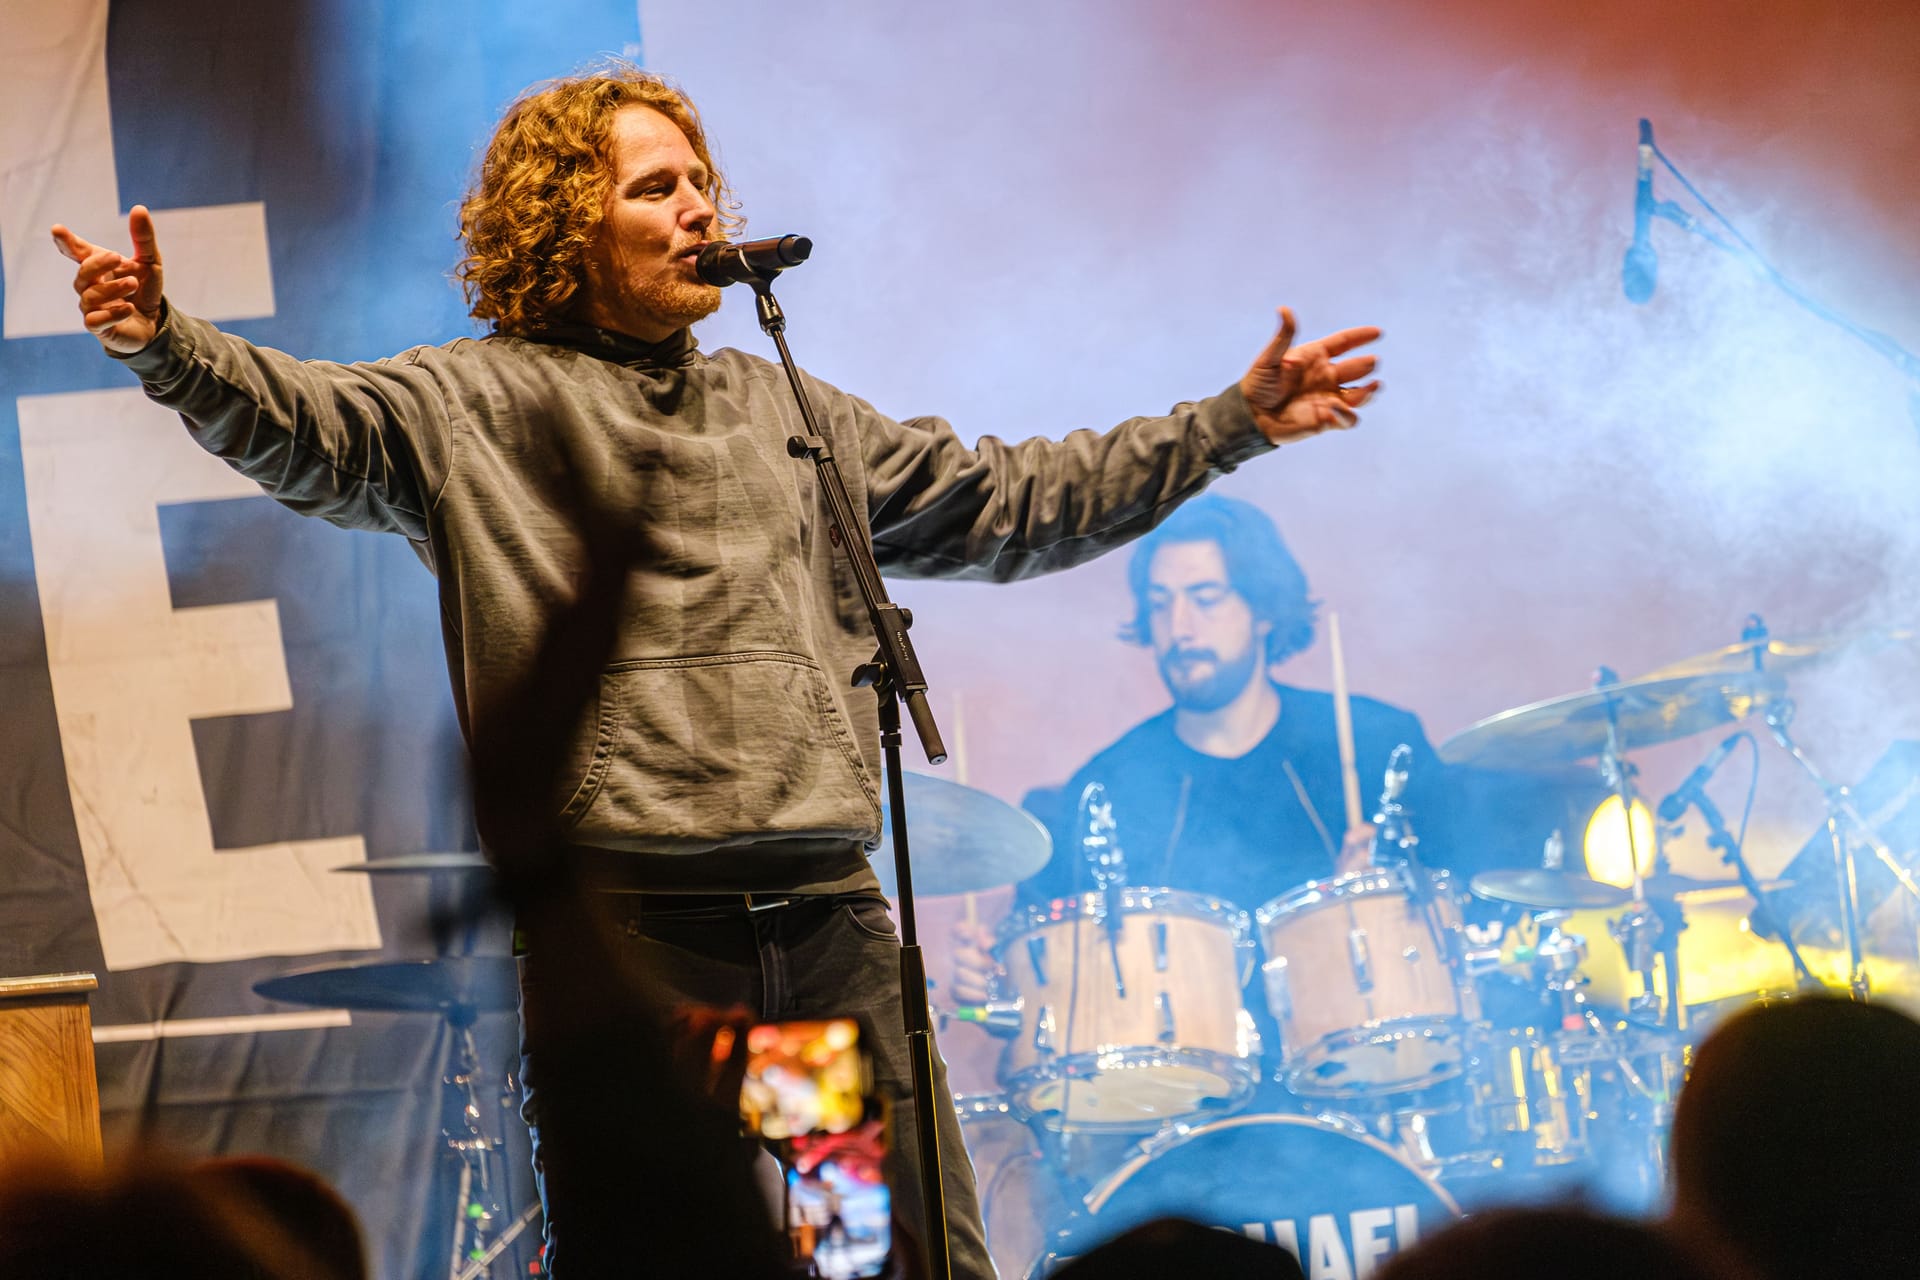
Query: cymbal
pixel 1780 655
pixel 1547 890
pixel 962 840
pixel 1570 891
pixel 469 984
pixel 416 864
pixel 1574 727
pixel 1672 885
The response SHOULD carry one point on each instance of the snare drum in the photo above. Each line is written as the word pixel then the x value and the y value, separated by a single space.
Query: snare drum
pixel 1130 1014
pixel 1358 978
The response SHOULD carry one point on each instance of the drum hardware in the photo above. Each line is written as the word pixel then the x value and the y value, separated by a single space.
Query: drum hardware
pixel 996 1017
pixel 1534 1105
pixel 1037 953
pixel 1279 998
pixel 1845 826
pixel 1362 966
pixel 1100 846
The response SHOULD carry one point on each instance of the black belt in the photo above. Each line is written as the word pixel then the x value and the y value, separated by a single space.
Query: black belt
pixel 715 906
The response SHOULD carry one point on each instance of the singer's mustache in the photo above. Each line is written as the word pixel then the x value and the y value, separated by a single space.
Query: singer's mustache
pixel 1187 657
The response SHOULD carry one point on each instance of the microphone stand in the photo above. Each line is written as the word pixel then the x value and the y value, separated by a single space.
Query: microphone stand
pixel 895 676
pixel 1892 352
pixel 1718 837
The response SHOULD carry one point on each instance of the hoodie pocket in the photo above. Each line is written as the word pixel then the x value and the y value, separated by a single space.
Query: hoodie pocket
pixel 693 752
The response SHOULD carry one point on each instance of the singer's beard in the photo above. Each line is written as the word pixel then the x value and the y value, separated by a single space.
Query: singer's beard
pixel 1225 680
pixel 677 302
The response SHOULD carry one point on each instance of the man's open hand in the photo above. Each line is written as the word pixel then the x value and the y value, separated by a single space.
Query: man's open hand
pixel 119 296
pixel 1296 392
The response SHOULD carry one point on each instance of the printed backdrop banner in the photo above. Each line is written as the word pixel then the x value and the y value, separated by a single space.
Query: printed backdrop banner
pixel 211 703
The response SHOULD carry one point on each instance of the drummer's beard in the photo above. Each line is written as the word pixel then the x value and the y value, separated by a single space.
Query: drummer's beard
pixel 1200 680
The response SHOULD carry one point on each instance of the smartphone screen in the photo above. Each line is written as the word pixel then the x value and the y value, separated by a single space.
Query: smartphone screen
pixel 839 1212
pixel 804 1078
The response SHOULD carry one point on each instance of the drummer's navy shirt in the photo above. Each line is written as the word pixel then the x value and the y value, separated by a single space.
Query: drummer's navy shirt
pixel 1239 828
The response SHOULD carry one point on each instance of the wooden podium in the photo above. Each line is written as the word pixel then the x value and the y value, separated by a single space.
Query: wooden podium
pixel 49 1098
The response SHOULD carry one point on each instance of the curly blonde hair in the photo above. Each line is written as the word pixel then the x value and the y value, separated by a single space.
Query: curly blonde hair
pixel 529 218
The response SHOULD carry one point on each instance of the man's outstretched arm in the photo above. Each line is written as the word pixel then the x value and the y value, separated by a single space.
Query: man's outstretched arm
pixel 364 446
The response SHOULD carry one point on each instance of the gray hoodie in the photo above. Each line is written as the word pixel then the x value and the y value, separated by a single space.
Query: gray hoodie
pixel 725 750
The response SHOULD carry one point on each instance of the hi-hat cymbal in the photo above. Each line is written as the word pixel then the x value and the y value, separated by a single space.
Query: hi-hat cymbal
pixel 1781 655
pixel 449 985
pixel 416 864
pixel 1547 890
pixel 962 840
pixel 1574 727
pixel 1570 891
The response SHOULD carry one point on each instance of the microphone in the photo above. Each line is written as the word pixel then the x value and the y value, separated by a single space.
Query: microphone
pixel 1641 266
pixel 1689 791
pixel 744 262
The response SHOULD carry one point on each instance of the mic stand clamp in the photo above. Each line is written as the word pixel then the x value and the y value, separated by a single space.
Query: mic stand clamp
pixel 895 677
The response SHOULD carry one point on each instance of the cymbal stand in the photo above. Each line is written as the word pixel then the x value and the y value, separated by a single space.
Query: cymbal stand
pixel 1843 820
pixel 478 1208
pixel 1650 928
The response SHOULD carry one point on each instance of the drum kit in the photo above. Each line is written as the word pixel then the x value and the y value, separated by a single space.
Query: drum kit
pixel 1421 1064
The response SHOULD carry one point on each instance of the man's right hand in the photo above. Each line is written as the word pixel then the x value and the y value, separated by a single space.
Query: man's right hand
pixel 973 966
pixel 119 296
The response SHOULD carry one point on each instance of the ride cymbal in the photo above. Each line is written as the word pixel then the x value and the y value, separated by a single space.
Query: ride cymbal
pixel 1647 712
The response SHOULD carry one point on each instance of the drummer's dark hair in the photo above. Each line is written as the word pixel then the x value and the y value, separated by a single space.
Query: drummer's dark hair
pixel 1259 567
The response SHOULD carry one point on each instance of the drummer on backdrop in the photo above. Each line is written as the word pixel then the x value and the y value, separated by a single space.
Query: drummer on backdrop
pixel 1235 790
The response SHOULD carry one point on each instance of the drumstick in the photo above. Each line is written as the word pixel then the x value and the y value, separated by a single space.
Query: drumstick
pixel 1343 725
pixel 960 775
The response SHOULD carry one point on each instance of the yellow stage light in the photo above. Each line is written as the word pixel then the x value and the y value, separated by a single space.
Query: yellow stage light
pixel 1605 843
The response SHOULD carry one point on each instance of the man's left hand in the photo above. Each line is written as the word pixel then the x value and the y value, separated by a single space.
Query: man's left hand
pixel 1297 392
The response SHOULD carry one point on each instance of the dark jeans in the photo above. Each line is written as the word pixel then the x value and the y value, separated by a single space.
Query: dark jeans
pixel 816 958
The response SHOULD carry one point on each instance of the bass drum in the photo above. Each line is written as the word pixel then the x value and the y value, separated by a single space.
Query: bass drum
pixel 1020 1199
pixel 1340 1201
